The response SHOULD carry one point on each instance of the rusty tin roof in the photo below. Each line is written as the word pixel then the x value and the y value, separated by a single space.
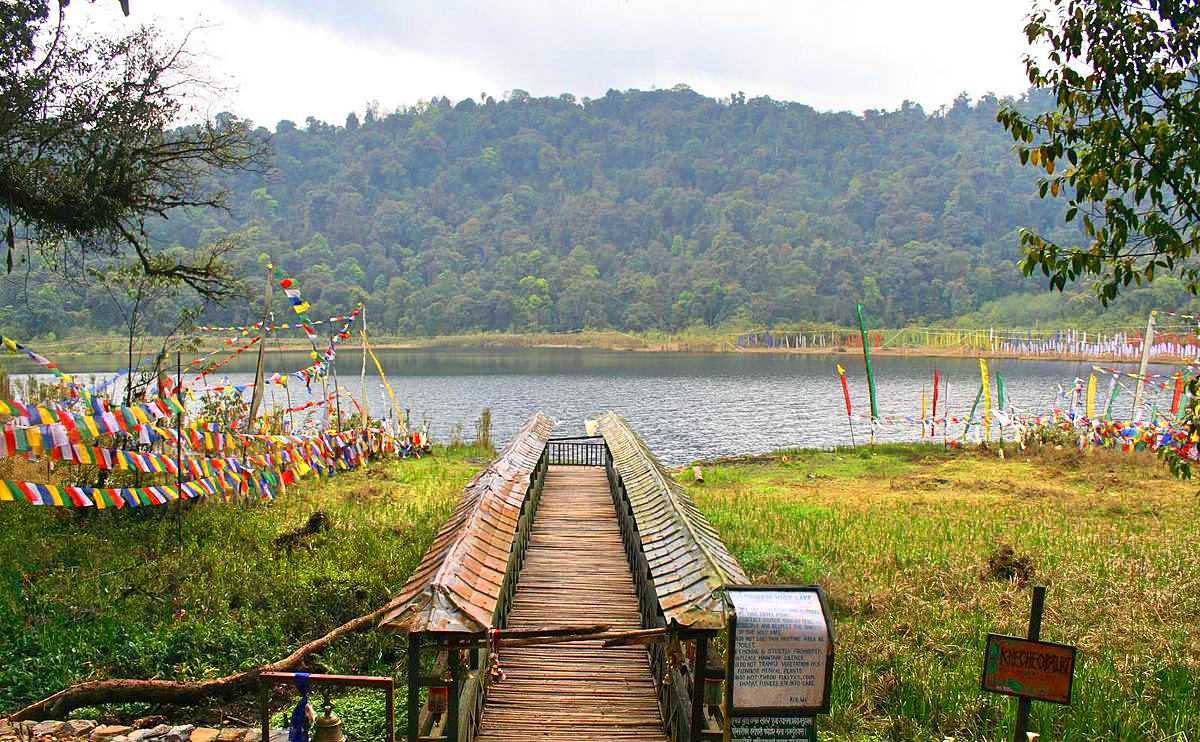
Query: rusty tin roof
pixel 456 586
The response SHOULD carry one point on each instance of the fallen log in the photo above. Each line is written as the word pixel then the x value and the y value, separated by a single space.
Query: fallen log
pixel 182 692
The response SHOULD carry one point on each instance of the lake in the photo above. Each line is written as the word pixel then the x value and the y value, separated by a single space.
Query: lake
pixel 686 405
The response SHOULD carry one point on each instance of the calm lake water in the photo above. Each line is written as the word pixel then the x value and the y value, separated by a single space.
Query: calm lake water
pixel 687 406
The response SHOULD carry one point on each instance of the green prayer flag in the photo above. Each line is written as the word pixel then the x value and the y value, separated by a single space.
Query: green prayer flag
pixel 866 343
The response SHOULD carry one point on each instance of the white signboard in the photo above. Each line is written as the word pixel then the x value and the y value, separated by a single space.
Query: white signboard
pixel 781 650
pixel 772 729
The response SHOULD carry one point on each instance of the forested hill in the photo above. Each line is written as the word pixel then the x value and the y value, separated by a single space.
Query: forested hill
pixel 637 210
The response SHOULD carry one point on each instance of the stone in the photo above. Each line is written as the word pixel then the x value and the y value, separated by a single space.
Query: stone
pixel 78 727
pixel 138 735
pixel 46 728
pixel 147 722
pixel 109 732
pixel 180 733
pixel 232 735
pixel 278 735
pixel 204 734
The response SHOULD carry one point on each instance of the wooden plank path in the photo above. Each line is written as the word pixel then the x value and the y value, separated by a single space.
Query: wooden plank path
pixel 576 572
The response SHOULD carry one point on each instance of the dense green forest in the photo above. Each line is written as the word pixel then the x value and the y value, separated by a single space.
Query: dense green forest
pixel 638 210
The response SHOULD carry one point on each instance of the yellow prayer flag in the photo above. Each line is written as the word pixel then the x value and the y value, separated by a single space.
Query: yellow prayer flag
pixel 1091 398
pixel 987 400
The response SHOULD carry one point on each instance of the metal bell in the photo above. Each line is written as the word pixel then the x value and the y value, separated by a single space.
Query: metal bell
pixel 328 728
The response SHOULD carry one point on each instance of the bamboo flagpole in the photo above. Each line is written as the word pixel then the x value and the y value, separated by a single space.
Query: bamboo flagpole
pixel 1141 380
pixel 866 343
pixel 846 396
pixel 401 421
pixel 257 395
pixel 971 417
pixel 362 379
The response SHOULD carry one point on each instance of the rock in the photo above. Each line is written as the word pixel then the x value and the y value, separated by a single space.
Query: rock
pixel 149 722
pixel 137 735
pixel 204 734
pixel 78 727
pixel 46 728
pixel 146 722
pixel 181 733
pixel 278 735
pixel 109 732
pixel 232 735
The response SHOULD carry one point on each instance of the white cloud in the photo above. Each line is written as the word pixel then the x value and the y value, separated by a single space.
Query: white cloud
pixel 296 58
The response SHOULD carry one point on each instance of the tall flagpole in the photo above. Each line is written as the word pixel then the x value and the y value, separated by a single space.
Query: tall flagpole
pixel 866 343
pixel 362 383
pixel 1141 380
pixel 257 395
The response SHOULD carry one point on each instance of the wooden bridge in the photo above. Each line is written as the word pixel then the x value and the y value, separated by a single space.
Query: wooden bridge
pixel 567 532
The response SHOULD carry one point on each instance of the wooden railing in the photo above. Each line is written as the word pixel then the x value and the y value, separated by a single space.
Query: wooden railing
pixel 579 451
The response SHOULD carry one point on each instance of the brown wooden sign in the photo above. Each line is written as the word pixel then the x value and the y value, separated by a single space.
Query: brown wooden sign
pixel 1042 671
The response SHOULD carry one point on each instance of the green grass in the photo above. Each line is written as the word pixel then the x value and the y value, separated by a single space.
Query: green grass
pixel 87 595
pixel 901 538
pixel 899 535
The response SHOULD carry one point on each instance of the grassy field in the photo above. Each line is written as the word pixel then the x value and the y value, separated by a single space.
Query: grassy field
pixel 911 543
pixel 913 546
pixel 94 594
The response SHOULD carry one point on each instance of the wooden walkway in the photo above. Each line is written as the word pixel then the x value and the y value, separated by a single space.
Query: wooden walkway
pixel 576 572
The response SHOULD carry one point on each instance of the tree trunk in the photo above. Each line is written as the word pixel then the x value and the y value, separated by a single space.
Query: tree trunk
pixel 181 693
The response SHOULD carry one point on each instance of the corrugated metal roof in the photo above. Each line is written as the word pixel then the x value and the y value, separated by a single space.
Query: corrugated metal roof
pixel 688 561
pixel 457 584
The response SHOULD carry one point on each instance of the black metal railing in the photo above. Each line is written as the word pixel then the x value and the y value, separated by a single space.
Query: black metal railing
pixel 581 451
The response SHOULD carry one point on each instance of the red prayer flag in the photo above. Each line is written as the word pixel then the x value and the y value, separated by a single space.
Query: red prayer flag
pixel 845 389
pixel 935 392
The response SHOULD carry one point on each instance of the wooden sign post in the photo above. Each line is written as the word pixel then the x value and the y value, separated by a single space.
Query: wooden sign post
pixel 1028 668
pixel 779 663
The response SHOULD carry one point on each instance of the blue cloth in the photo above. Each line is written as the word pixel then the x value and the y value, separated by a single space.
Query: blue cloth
pixel 298 729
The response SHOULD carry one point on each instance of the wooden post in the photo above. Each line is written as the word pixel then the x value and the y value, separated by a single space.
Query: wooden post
pixel 698 688
pixel 414 685
pixel 453 664
pixel 390 711
pixel 1021 725
pixel 264 710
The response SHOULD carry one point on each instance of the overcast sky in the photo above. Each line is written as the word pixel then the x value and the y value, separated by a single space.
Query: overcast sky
pixel 298 58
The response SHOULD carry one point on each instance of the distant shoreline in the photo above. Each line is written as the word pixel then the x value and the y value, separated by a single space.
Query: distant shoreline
pixel 584 340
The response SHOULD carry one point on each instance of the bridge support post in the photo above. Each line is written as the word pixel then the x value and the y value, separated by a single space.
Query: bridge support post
pixel 453 667
pixel 414 686
pixel 698 680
